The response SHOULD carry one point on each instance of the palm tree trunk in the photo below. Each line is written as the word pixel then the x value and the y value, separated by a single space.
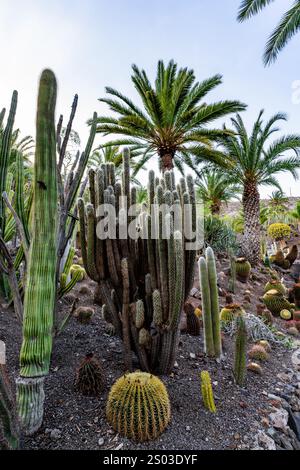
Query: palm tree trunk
pixel 166 162
pixel 215 208
pixel 251 239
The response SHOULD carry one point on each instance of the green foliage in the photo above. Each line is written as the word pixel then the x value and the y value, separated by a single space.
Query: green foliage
pixel 89 380
pixel 207 392
pixel 279 231
pixel 243 269
pixel 219 235
pixel 138 406
pixel 276 302
pixel 9 432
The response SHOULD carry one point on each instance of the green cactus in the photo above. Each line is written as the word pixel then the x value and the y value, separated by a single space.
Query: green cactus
pixel 9 432
pixel 207 392
pixel 277 285
pixel 138 406
pixel 243 269
pixel 240 351
pixel 275 302
pixel 40 291
pixel 89 380
pixel 230 312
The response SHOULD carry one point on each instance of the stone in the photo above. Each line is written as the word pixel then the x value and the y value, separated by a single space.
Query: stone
pixel 55 434
pixel 296 358
pixel 266 441
pixel 192 356
pixel 285 442
pixel 188 428
pixel 279 418
pixel 100 441
pixel 294 422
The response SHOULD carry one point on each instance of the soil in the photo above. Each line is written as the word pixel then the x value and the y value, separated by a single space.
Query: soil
pixel 79 422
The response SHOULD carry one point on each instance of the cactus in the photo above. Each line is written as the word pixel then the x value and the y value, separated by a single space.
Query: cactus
pixel 84 314
pixel 243 269
pixel 275 302
pixel 89 380
pixel 258 352
pixel 240 351
pixel 40 291
pixel 279 231
pixel 9 432
pixel 265 344
pixel 230 312
pixel 255 368
pixel 210 304
pixel 285 314
pixel 277 285
pixel 138 406
pixel 207 391
pixel 266 316
pixel 192 320
pixel 150 291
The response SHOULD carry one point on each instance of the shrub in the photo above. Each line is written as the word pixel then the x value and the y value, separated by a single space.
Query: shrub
pixel 279 231
pixel 218 235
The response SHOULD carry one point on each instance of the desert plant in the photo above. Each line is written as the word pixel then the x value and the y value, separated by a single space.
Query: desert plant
pixel 207 392
pixel 84 314
pixel 41 283
pixel 219 235
pixel 279 231
pixel 275 302
pixel 193 323
pixel 163 281
pixel 254 367
pixel 9 430
pixel 265 344
pixel 240 351
pixel 210 304
pixel 230 312
pixel 277 285
pixel 285 314
pixel 89 378
pixel 292 255
pixel 243 269
pixel 255 164
pixel 138 406
pixel 258 352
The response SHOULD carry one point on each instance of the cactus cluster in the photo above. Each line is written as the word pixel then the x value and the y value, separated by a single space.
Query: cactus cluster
pixel 142 273
pixel 89 380
pixel 207 392
pixel 240 351
pixel 276 302
pixel 243 269
pixel 210 304
pixel 279 231
pixel 138 406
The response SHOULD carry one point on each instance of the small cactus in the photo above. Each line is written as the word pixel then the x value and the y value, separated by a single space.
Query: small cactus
pixel 258 352
pixel 89 377
pixel 193 324
pixel 207 392
pixel 84 314
pixel 255 368
pixel 285 314
pixel 243 269
pixel 265 344
pixel 277 285
pixel 276 302
pixel 138 406
pixel 230 312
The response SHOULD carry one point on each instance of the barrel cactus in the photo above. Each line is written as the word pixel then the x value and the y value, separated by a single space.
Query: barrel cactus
pixel 243 269
pixel 230 312
pixel 90 379
pixel 258 352
pixel 277 285
pixel 138 406
pixel 285 314
pixel 276 302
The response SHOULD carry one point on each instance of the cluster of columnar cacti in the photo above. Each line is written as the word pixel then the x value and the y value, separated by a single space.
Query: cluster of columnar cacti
pixel 240 350
pixel 89 378
pixel 210 304
pixel 207 391
pixel 138 406
pixel 276 302
pixel 9 432
pixel 144 279
pixel 243 269
pixel 40 291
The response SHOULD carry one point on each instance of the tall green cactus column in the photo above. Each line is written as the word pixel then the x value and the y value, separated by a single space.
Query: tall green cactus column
pixel 40 290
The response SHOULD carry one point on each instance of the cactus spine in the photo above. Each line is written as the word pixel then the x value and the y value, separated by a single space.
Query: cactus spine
pixel 40 291
pixel 240 351
pixel 210 304
pixel 207 392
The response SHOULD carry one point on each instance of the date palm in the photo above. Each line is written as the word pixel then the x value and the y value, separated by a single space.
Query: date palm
pixel 213 189
pixel 173 123
pixel 256 162
pixel 287 27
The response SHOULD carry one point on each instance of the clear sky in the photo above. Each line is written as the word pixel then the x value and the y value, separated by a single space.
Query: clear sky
pixel 92 43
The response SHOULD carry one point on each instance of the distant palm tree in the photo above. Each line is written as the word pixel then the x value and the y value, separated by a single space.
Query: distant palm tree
pixel 213 189
pixel 288 26
pixel 278 199
pixel 295 214
pixel 174 119
pixel 254 163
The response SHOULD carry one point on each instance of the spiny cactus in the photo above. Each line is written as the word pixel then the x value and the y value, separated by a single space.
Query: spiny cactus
pixel 279 231
pixel 84 314
pixel 9 432
pixel 285 314
pixel 138 406
pixel 277 285
pixel 276 302
pixel 193 324
pixel 258 352
pixel 243 269
pixel 240 351
pixel 41 282
pixel 150 292
pixel 89 380
pixel 207 391
pixel 265 344
pixel 296 294
pixel 255 368
pixel 210 304
pixel 230 312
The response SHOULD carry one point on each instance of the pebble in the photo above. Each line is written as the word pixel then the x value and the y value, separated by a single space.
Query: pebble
pixel 192 356
pixel 55 434
pixel 188 428
pixel 101 441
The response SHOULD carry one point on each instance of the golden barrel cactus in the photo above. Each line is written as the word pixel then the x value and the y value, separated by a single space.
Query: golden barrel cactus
pixel 138 406
pixel 243 269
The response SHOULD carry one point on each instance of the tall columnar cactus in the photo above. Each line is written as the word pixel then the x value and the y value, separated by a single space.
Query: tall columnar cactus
pixel 240 350
pixel 138 406
pixel 40 290
pixel 210 304
pixel 207 392
pixel 148 272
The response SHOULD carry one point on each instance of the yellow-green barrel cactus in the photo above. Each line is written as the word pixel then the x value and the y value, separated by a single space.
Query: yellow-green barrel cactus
pixel 39 301
pixel 243 269
pixel 275 302
pixel 138 406
pixel 230 312
pixel 277 285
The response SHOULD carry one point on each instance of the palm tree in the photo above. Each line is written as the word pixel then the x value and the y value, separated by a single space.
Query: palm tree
pixel 174 119
pixel 256 163
pixel 295 214
pixel 105 155
pixel 287 27
pixel 213 189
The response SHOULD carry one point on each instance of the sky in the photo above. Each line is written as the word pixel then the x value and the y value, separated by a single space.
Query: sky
pixel 90 44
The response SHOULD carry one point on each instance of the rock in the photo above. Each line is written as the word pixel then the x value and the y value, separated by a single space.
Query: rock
pixel 100 441
pixel 279 418
pixel 273 397
pixel 296 358
pixel 192 356
pixel 266 441
pixel 293 331
pixel 285 442
pixel 294 422
pixel 195 293
pixel 188 428
pixel 55 434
